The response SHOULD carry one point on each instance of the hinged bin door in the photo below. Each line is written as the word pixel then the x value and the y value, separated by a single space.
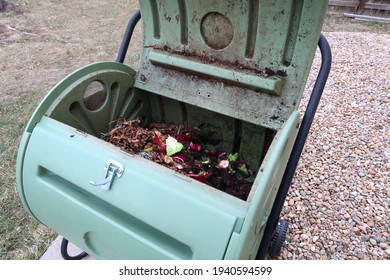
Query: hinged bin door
pixel 247 59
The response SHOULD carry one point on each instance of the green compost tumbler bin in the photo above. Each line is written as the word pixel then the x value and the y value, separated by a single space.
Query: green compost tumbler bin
pixel 238 66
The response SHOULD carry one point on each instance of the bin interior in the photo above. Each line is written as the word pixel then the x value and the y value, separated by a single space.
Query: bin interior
pixel 222 132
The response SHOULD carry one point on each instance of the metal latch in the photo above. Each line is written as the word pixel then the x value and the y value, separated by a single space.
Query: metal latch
pixel 112 168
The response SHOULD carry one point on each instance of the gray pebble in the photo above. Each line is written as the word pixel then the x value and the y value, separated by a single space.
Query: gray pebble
pixel 356 219
pixel 361 173
pixel 379 239
pixel 365 238
pixel 360 255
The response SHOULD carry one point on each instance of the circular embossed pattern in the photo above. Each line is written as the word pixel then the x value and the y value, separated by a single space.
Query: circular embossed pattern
pixel 216 30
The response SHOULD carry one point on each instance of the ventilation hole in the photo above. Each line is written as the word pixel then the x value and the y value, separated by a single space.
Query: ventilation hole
pixel 73 106
pixel 134 113
pixel 115 88
pixel 95 95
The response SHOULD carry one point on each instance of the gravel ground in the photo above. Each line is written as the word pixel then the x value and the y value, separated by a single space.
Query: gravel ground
pixel 338 206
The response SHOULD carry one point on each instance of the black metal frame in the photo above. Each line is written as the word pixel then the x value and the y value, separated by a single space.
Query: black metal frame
pixel 311 108
pixel 288 175
pixel 128 34
pixel 64 252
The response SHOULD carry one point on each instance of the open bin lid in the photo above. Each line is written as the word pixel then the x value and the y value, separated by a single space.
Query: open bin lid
pixel 246 59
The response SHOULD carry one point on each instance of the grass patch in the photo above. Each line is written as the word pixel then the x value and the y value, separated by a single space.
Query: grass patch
pixel 21 236
pixel 40 43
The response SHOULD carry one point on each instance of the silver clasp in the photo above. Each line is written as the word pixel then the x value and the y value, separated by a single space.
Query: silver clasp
pixel 112 168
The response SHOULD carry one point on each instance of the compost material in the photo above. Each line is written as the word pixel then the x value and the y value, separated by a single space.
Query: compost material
pixel 185 150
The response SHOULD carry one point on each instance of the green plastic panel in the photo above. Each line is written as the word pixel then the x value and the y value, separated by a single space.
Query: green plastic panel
pixel 264 191
pixel 67 100
pixel 221 55
pixel 273 85
pixel 149 213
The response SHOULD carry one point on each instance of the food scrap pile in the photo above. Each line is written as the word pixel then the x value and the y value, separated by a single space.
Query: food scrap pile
pixel 184 150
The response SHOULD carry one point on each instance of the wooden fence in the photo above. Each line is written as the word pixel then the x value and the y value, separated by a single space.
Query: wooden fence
pixel 379 8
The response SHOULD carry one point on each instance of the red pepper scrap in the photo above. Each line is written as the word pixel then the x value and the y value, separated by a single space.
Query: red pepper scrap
pixel 195 147
pixel 162 147
pixel 183 138
pixel 179 158
pixel 198 177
